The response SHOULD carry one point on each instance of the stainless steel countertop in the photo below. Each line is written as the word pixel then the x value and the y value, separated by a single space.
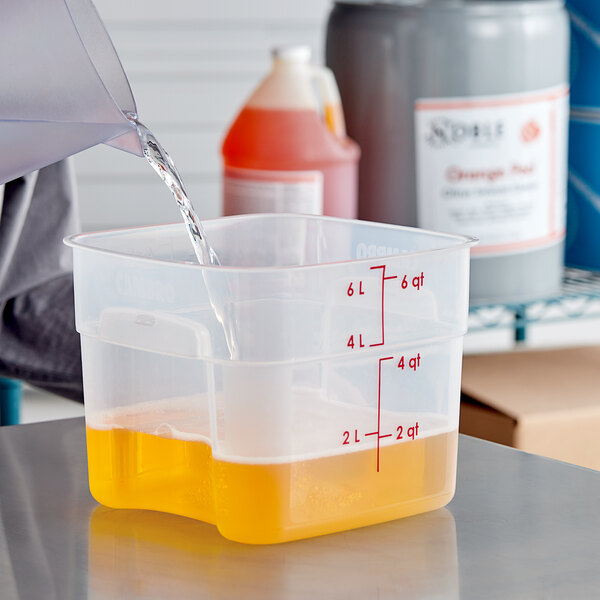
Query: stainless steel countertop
pixel 520 527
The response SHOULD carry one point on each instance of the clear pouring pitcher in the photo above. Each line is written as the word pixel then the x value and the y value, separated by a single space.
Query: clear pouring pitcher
pixel 63 86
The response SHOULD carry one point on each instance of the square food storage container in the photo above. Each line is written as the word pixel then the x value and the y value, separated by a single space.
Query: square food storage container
pixel 309 384
pixel 582 243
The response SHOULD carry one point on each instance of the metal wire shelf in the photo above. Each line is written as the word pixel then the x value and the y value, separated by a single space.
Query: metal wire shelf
pixel 579 299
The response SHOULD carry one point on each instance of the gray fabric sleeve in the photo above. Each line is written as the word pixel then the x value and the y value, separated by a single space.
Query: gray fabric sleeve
pixel 38 341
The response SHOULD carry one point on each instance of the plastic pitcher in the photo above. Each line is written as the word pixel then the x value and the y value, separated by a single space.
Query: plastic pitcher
pixel 63 86
pixel 340 408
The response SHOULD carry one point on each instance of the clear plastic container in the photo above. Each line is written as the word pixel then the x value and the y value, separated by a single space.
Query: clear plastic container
pixel 308 385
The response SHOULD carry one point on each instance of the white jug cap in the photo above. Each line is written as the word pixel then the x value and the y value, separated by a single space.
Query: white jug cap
pixel 296 53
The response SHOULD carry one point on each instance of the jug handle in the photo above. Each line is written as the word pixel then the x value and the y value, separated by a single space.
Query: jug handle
pixel 333 114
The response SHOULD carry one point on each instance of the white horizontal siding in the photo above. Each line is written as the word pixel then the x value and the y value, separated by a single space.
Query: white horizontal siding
pixel 203 11
pixel 196 152
pixel 143 203
pixel 190 71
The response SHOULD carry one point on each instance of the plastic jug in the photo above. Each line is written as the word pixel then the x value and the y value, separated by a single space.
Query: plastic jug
pixel 283 152
pixel 63 86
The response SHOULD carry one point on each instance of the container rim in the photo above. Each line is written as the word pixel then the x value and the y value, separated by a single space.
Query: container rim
pixel 78 240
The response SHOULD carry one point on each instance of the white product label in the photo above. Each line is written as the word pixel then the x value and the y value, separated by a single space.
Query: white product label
pixel 257 191
pixel 494 167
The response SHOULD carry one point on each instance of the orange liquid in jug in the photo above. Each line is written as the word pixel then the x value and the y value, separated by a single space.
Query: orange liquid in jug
pixel 295 140
pixel 268 502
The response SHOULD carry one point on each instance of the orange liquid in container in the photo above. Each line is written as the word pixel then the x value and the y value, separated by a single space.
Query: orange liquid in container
pixel 265 502
pixel 295 140
pixel 287 150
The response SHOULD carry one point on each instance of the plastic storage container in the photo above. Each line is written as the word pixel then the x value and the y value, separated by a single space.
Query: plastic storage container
pixel 460 108
pixel 308 385
pixel 585 54
pixel 583 206
pixel 287 150
pixel 583 214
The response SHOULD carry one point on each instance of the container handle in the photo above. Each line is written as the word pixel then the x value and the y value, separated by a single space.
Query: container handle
pixel 154 331
pixel 333 113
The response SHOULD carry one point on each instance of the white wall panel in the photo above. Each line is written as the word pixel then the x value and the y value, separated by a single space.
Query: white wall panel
pixel 191 68
pixel 196 152
pixel 232 11
pixel 123 203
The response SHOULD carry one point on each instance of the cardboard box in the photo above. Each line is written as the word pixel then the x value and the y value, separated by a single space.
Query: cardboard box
pixel 544 401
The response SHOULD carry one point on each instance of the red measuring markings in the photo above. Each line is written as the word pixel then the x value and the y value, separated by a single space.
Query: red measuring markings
pixel 356 287
pixel 412 363
pixel 382 342
pixel 410 432
pixel 378 432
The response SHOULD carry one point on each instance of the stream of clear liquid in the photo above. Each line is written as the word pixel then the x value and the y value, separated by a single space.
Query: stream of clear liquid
pixel 162 163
